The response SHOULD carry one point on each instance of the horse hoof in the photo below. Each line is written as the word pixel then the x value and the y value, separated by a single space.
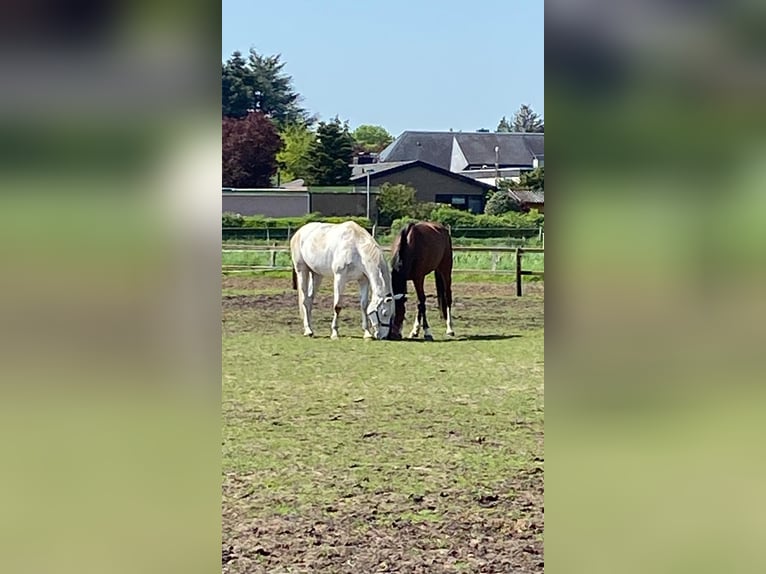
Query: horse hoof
pixel 428 337
pixel 450 333
pixel 334 336
pixel 367 335
pixel 308 333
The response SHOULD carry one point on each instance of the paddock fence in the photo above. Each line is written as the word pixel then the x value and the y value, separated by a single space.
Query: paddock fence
pixel 285 233
pixel 277 258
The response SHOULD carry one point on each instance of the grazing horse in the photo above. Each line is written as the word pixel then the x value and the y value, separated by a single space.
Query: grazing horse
pixel 347 252
pixel 418 250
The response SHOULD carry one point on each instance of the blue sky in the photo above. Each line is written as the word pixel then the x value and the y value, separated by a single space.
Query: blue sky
pixel 404 65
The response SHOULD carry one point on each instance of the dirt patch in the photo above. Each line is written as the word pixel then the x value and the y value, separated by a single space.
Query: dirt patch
pixel 438 532
pixel 270 305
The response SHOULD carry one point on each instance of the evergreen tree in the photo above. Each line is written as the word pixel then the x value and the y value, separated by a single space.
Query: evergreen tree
pixel 330 154
pixel 259 84
pixel 236 85
pixel 526 120
pixel 534 179
pixel 504 126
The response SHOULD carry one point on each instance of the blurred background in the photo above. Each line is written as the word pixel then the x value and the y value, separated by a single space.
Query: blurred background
pixel 656 317
pixel 109 320
pixel 110 325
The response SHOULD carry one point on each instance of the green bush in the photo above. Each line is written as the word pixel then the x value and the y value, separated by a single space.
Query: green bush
pixel 502 202
pixel 398 224
pixel 394 202
pixel 447 215
pixel 531 219
pixel 261 222
pixel 230 219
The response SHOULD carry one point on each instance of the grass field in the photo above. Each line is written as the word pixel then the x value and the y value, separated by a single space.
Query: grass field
pixel 378 456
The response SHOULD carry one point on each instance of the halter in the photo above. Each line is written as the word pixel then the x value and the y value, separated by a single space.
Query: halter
pixel 380 323
pixel 377 314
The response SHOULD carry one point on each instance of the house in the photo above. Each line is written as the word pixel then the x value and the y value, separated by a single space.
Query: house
pixel 432 183
pixel 530 199
pixel 479 155
pixel 439 165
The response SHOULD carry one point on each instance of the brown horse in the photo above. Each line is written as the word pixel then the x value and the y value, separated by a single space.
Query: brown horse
pixel 418 250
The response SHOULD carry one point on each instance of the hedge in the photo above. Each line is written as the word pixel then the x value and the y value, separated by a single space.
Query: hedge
pixel 262 222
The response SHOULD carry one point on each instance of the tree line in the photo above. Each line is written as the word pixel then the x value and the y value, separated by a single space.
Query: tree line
pixel 270 138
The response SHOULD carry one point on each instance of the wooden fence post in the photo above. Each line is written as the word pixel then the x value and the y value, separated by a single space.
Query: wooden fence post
pixel 518 272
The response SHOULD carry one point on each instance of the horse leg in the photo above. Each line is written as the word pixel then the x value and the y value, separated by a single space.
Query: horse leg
pixel 338 286
pixel 446 279
pixel 420 320
pixel 314 283
pixel 364 299
pixel 422 310
pixel 304 301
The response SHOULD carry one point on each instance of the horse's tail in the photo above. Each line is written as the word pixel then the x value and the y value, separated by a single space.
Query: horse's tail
pixel 295 279
pixel 441 294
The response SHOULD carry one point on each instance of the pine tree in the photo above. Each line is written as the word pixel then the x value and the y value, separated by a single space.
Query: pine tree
pixel 260 84
pixel 236 97
pixel 504 126
pixel 526 120
pixel 330 154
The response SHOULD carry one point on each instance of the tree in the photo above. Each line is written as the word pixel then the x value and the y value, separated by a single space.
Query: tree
pixel 250 146
pixel 504 126
pixel 502 202
pixel 293 159
pixel 236 97
pixel 534 179
pixel 330 154
pixel 260 84
pixel 394 202
pixel 369 138
pixel 526 120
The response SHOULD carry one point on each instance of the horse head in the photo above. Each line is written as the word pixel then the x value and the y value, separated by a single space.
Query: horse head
pixel 398 321
pixel 381 313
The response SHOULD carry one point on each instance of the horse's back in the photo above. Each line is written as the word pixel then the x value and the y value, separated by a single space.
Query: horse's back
pixel 327 247
pixel 430 243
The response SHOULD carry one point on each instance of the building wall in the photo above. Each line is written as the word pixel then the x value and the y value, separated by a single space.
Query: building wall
pixel 343 204
pixel 428 183
pixel 293 204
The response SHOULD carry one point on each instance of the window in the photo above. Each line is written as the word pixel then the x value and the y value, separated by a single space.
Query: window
pixel 472 203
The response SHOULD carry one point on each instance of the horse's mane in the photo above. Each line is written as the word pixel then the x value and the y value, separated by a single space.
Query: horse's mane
pixel 400 262
pixel 372 251
pixel 400 251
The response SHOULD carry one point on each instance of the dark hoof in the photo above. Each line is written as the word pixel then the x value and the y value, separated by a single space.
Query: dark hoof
pixel 397 337
pixel 429 337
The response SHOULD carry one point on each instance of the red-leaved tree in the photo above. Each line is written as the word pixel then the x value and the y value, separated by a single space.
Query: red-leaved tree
pixel 250 147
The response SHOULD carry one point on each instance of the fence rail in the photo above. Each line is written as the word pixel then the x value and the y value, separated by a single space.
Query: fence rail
pixel 285 233
pixel 518 252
